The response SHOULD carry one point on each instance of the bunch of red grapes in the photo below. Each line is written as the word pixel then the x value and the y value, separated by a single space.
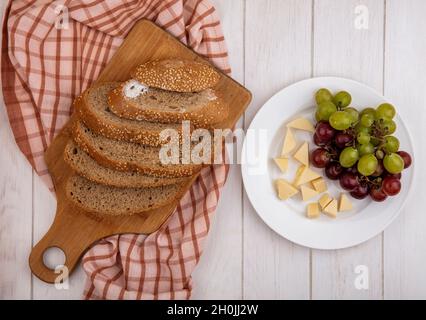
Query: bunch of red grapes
pixel 357 148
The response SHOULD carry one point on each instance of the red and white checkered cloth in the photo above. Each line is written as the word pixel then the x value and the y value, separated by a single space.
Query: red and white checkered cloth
pixel 52 51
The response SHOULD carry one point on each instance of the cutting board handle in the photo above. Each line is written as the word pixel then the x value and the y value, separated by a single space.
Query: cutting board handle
pixel 62 234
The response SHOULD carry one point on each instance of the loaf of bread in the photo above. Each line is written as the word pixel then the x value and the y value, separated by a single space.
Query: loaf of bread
pixel 107 200
pixel 176 75
pixel 115 151
pixel 86 167
pixel 203 109
pixel 93 109
pixel 128 156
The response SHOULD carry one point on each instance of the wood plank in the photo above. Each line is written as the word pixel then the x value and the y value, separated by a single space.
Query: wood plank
pixel 340 49
pixel 405 85
pixel 278 53
pixel 15 212
pixel 222 257
pixel 15 216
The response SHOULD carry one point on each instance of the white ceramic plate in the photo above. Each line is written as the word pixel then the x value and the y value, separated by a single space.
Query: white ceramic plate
pixel 264 141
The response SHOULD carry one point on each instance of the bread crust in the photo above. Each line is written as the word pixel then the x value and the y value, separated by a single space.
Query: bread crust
pixel 121 179
pixel 180 188
pixel 168 171
pixel 208 116
pixel 176 75
pixel 112 130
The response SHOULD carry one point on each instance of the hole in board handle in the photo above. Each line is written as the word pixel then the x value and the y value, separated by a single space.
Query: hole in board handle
pixel 54 257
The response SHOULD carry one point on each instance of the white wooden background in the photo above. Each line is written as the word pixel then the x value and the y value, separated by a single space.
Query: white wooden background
pixel 272 44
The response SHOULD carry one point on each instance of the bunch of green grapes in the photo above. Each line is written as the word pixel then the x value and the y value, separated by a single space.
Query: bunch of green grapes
pixel 358 148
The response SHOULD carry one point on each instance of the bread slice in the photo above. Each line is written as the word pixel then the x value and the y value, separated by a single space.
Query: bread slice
pixel 101 199
pixel 204 109
pixel 92 108
pixel 85 166
pixel 176 75
pixel 128 156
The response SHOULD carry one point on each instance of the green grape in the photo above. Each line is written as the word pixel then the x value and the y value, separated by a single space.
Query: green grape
pixel 342 99
pixel 364 149
pixel 363 138
pixel 317 116
pixel 323 95
pixel 353 113
pixel 393 163
pixel 380 154
pixel 359 128
pixel 348 157
pixel 391 144
pixel 388 126
pixel 340 120
pixel 385 111
pixel 375 141
pixel 369 111
pixel 325 110
pixel 366 120
pixel 367 164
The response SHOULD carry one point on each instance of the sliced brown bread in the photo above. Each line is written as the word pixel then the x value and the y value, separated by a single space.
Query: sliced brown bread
pixel 128 156
pixel 102 199
pixel 92 108
pixel 85 166
pixel 204 109
pixel 177 75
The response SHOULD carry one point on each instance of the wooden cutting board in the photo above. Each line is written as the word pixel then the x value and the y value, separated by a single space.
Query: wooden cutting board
pixel 74 230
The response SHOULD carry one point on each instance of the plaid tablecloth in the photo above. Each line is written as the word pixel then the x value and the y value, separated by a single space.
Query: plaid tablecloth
pixel 51 52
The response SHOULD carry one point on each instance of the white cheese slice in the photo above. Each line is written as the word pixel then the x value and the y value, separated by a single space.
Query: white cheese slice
pixel 313 211
pixel 325 200
pixel 285 189
pixel 282 163
pixel 320 185
pixel 298 173
pixel 331 209
pixel 344 204
pixel 306 175
pixel 308 193
pixel 302 124
pixel 302 155
pixel 289 143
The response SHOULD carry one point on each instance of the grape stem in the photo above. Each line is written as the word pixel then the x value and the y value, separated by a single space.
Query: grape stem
pixel 371 183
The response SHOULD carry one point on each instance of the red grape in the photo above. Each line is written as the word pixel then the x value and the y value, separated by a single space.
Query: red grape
pixel 377 194
pixel 320 158
pixel 406 157
pixel 343 139
pixel 318 141
pixel 360 192
pixel 391 186
pixel 379 170
pixel 333 170
pixel 395 175
pixel 353 169
pixel 324 131
pixel 349 181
